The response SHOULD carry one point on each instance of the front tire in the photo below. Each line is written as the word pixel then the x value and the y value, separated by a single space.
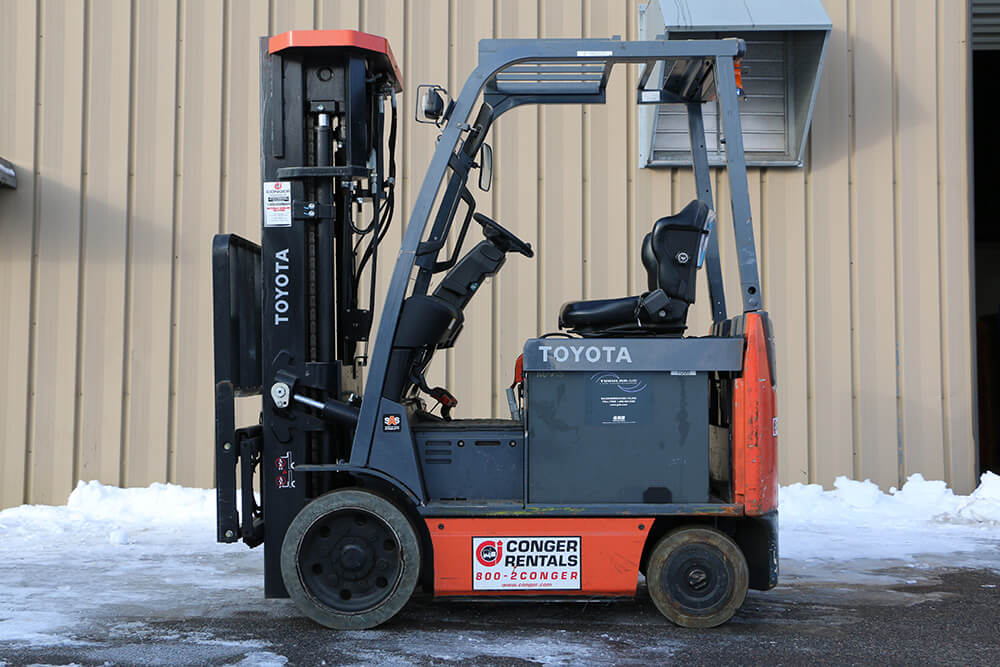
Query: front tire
pixel 350 560
pixel 697 577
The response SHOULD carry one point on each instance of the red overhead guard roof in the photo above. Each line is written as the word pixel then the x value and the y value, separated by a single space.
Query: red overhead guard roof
pixel 342 38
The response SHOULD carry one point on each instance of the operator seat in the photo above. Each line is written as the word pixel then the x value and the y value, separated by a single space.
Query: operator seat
pixel 671 253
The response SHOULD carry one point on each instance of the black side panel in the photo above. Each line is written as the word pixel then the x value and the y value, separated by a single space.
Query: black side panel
pixel 758 538
pixel 395 453
pixel 472 464
pixel 605 436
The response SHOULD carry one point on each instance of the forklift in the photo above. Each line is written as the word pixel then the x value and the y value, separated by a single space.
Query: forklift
pixel 631 449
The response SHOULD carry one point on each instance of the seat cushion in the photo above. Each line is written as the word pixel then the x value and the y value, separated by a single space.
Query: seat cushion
pixel 671 254
pixel 598 313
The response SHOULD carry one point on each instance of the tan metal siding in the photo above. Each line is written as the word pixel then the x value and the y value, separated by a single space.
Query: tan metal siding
pixel 198 202
pixel 104 243
pixel 18 85
pixel 134 130
pixel 783 207
pixel 153 189
pixel 875 382
pixel 918 274
pixel 56 279
pixel 828 252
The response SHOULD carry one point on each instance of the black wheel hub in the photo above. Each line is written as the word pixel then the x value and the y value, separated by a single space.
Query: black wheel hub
pixel 698 579
pixel 349 560
pixel 354 558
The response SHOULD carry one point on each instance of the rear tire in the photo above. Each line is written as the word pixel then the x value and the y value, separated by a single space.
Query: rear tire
pixel 350 560
pixel 697 577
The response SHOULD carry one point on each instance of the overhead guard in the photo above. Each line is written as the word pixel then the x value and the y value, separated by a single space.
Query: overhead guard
pixel 341 38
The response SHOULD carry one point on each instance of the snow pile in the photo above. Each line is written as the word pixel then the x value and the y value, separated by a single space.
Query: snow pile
pixel 984 503
pixel 858 520
pixel 918 500
pixel 160 503
pixel 113 514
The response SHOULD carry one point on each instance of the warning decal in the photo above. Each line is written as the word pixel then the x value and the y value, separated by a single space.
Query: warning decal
pixel 277 204
pixel 525 563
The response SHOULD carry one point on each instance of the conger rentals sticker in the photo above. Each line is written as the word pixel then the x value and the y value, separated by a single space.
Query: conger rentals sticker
pixel 525 563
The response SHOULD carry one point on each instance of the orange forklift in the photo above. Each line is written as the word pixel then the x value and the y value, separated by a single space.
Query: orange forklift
pixel 630 449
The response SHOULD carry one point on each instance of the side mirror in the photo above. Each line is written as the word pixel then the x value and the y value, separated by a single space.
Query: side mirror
pixel 432 108
pixel 485 167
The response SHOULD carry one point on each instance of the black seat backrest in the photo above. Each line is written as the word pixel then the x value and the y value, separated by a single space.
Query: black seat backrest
pixel 672 251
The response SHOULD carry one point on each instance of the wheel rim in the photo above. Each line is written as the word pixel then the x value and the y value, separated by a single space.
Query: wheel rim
pixel 349 560
pixel 698 579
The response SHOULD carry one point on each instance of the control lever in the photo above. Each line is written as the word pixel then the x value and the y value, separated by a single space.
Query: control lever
pixel 516 388
pixel 515 409
pixel 439 394
pixel 445 398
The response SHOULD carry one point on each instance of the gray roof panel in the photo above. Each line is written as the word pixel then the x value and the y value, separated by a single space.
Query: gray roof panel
pixel 702 15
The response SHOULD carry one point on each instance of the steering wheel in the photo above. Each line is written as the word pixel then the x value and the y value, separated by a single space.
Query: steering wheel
pixel 501 237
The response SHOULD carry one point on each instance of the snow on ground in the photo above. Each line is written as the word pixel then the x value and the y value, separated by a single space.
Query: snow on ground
pixel 110 552
pixel 857 520
pixel 112 555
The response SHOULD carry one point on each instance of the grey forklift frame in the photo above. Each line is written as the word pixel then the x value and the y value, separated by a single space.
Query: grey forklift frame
pixel 514 72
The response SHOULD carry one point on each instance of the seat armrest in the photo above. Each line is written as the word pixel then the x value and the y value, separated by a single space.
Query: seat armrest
pixel 655 305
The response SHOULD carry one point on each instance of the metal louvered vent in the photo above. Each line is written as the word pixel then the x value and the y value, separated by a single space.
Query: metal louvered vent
pixel 763 108
pixel 986 25
pixel 786 44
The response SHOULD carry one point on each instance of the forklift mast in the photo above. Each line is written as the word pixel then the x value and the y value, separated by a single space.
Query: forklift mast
pixel 327 162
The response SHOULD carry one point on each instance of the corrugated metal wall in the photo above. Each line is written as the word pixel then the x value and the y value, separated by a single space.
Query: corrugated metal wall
pixel 133 126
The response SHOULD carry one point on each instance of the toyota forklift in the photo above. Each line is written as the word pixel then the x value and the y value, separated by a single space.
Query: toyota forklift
pixel 631 448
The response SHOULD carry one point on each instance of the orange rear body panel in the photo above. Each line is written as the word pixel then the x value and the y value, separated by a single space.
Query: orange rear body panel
pixel 755 425
pixel 608 550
